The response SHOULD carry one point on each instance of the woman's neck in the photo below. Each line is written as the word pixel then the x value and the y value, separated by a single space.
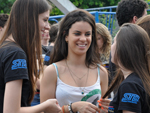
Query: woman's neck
pixel 44 42
pixel 10 38
pixel 126 72
pixel 76 60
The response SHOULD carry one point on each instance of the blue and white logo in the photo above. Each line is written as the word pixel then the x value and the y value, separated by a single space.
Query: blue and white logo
pixel 19 63
pixel 47 58
pixel 130 98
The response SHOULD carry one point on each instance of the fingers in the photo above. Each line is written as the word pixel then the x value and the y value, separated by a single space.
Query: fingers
pixel 94 109
pixel 87 107
pixel 104 104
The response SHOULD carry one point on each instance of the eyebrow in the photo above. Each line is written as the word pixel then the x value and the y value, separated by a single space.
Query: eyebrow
pixel 80 31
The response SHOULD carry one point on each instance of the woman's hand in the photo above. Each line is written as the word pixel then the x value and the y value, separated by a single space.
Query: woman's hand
pixel 84 107
pixel 52 106
pixel 104 104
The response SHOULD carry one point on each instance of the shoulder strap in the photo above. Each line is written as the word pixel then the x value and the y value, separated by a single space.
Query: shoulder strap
pixel 56 69
pixel 98 68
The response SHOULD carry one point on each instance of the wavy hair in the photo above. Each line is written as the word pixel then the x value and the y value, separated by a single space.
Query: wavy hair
pixel 107 39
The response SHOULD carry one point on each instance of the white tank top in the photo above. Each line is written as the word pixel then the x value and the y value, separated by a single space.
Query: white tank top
pixel 66 94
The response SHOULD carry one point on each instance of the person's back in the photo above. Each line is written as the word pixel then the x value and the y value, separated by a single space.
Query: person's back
pixel 128 11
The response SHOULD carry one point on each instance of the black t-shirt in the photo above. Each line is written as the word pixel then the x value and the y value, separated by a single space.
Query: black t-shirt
pixel 13 66
pixel 131 96
pixel 47 56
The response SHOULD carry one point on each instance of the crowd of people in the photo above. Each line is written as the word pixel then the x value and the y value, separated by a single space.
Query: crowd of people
pixel 75 65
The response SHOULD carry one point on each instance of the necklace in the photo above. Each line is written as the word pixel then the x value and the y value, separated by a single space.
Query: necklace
pixel 75 74
pixel 82 92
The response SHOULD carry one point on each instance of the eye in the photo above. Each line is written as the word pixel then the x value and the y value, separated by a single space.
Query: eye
pixel 87 34
pixel 45 20
pixel 77 34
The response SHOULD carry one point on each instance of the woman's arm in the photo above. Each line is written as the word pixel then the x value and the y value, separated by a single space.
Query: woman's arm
pixel 12 101
pixel 103 80
pixel 48 84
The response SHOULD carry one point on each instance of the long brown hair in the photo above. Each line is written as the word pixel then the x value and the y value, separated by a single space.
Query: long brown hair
pixel 144 22
pixel 133 53
pixel 23 24
pixel 60 51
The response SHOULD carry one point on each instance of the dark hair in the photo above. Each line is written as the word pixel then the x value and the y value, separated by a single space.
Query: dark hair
pixel 61 47
pixel 133 53
pixel 144 22
pixel 53 32
pixel 3 19
pixel 23 24
pixel 127 9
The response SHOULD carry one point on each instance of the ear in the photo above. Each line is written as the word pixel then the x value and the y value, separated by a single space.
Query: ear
pixel 135 18
pixel 66 39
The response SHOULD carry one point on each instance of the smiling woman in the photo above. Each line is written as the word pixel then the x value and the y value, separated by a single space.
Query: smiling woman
pixel 75 78
pixel 79 38
pixel 20 46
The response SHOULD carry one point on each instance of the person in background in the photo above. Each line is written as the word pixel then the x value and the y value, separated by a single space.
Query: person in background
pixel 104 43
pixel 45 41
pixel 3 20
pixel 45 48
pixel 53 35
pixel 144 22
pixel 75 78
pixel 128 11
pixel 131 53
pixel 20 47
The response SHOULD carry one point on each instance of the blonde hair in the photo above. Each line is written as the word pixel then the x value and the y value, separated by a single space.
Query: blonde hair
pixel 105 34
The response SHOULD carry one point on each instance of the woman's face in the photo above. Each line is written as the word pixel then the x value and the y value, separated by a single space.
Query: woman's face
pixel 43 21
pixel 45 35
pixel 79 38
pixel 100 42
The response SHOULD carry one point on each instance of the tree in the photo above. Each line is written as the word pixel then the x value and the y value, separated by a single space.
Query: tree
pixel 85 4
pixel 5 5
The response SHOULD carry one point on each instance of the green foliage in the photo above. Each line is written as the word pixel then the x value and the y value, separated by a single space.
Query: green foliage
pixel 85 4
pixel 5 5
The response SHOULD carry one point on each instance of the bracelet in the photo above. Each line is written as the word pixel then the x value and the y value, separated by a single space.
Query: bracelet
pixel 70 108
pixel 63 109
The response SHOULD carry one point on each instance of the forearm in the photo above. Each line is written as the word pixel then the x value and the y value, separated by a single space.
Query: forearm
pixel 34 109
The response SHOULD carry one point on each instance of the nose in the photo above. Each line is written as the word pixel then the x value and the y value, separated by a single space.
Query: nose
pixel 82 38
pixel 47 27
